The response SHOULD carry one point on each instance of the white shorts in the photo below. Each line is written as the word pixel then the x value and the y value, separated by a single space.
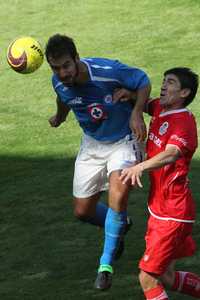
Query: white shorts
pixel 96 160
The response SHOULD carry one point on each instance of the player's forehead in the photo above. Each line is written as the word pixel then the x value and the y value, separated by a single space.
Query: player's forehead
pixel 171 78
pixel 60 60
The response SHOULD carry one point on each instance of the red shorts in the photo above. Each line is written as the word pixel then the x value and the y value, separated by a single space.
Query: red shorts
pixel 166 241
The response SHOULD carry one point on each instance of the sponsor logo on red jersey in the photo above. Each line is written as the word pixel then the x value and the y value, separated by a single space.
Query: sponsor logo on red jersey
pixel 181 140
pixel 155 139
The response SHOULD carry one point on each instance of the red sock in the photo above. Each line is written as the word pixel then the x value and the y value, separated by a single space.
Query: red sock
pixel 187 283
pixel 157 293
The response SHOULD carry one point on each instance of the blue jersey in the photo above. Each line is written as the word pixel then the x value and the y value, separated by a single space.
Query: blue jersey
pixel 92 102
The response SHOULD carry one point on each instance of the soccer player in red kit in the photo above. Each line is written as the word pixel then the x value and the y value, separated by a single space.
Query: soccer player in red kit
pixel 171 143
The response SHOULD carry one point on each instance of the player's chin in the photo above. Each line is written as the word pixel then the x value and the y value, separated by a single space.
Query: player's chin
pixel 162 99
pixel 67 83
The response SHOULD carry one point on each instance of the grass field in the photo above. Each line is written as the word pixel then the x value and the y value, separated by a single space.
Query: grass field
pixel 45 254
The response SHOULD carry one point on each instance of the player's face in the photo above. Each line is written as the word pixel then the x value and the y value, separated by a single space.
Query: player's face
pixel 66 68
pixel 171 92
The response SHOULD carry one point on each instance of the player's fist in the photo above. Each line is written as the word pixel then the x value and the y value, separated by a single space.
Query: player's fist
pixel 123 95
pixel 138 126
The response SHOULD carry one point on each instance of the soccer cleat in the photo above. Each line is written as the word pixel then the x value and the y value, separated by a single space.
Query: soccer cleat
pixel 103 281
pixel 120 248
pixel 104 278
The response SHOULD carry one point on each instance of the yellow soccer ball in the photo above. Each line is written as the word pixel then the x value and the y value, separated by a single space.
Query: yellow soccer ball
pixel 25 55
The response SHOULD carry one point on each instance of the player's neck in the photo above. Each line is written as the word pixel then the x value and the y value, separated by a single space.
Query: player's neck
pixel 83 74
pixel 175 106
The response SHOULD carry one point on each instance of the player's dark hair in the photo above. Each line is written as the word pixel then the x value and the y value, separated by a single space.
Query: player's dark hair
pixel 59 45
pixel 188 80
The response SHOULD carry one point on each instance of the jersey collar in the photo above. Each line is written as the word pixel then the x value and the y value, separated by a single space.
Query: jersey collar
pixel 175 111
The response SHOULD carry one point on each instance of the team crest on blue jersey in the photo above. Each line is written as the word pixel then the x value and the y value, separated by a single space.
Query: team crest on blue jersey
pixel 97 112
pixel 163 128
pixel 108 99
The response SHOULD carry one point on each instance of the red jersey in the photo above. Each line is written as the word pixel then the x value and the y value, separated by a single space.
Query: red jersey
pixel 170 197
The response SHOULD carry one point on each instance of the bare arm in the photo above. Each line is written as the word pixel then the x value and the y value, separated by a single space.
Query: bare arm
pixel 170 155
pixel 139 99
pixel 61 113
pixel 137 121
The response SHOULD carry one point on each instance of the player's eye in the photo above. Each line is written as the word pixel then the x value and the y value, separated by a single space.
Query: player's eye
pixel 171 81
pixel 66 65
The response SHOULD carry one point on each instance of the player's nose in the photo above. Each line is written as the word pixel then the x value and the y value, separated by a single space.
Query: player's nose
pixel 63 73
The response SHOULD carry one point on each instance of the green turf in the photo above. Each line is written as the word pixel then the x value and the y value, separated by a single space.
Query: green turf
pixel 44 252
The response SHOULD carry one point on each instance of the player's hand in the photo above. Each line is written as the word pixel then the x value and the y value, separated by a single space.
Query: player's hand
pixel 123 95
pixel 55 121
pixel 138 126
pixel 132 174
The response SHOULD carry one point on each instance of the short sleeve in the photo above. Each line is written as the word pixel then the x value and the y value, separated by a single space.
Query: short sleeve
pixel 131 77
pixel 184 134
pixel 153 107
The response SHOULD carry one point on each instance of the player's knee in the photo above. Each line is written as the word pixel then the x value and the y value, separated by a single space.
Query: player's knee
pixel 146 280
pixel 79 213
pixel 142 278
pixel 118 202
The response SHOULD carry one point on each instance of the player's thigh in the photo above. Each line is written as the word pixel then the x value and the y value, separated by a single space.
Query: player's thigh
pixel 90 173
pixel 147 281
pixel 165 242
pixel 89 179
pixel 125 153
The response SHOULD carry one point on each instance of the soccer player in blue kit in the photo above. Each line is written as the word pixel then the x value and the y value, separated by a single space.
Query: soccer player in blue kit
pixel 94 89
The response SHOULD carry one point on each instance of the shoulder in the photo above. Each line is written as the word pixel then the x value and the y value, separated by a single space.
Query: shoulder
pixel 106 64
pixel 153 106
pixel 99 62
pixel 64 93
pixel 183 129
pixel 187 120
pixel 55 81
pixel 182 122
pixel 184 115
pixel 58 85
pixel 101 68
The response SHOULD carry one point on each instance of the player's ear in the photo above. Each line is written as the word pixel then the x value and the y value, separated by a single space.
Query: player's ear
pixel 185 92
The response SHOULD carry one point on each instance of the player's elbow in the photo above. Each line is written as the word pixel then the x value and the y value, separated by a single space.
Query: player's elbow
pixel 173 153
